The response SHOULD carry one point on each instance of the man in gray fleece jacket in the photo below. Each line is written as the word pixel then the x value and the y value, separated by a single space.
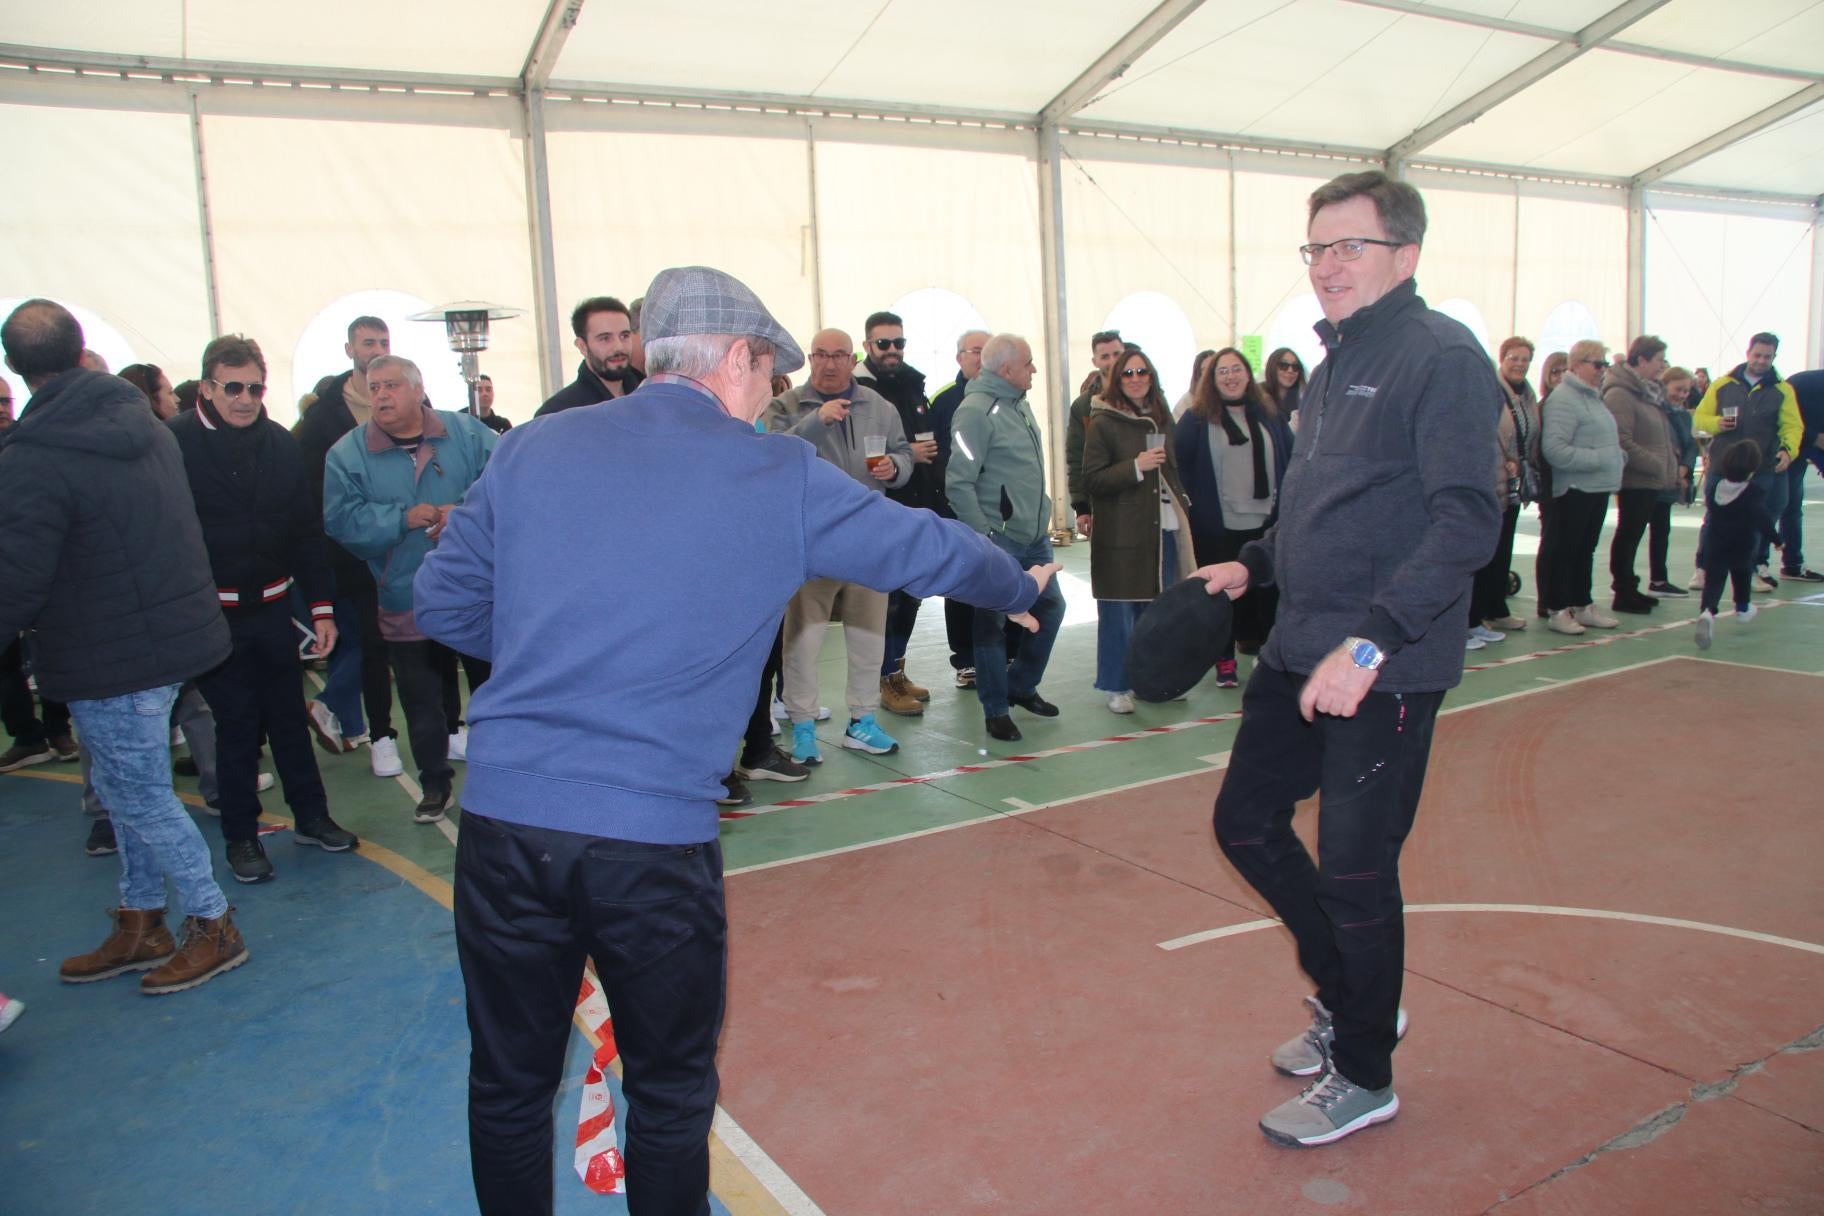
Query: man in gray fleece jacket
pixel 1384 516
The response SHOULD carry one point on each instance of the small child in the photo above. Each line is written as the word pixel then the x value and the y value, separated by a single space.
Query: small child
pixel 1736 520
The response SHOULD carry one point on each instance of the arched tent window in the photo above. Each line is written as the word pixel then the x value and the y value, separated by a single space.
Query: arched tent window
pixel 1153 321
pixel 1294 326
pixel 935 317
pixel 320 352
pixel 1571 321
pixel 98 335
pixel 1459 309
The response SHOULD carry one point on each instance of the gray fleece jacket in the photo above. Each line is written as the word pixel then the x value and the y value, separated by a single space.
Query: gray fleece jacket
pixel 1386 511
pixel 798 412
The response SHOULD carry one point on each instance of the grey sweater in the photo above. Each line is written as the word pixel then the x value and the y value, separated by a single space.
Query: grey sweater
pixel 1386 511
pixel 798 412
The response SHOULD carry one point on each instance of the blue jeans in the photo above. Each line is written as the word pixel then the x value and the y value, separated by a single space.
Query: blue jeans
pixel 994 681
pixel 129 741
pixel 193 718
pixel 1792 522
pixel 342 686
pixel 1115 621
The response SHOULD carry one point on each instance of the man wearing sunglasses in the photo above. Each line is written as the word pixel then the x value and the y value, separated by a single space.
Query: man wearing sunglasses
pixel 885 370
pixel 263 532
pixel 1385 515
pixel 101 554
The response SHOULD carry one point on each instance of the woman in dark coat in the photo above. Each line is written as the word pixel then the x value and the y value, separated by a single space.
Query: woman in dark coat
pixel 1233 448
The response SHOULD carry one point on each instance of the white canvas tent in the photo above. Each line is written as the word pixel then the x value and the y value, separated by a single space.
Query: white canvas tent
pixel 187 167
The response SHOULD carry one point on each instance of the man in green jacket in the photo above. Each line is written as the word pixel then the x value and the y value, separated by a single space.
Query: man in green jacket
pixel 996 484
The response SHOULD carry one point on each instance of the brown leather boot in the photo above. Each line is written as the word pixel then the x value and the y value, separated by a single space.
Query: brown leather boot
pixel 210 948
pixel 906 685
pixel 140 941
pixel 895 699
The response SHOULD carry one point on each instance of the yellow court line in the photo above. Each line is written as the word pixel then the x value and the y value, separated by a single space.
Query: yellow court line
pixel 733 1183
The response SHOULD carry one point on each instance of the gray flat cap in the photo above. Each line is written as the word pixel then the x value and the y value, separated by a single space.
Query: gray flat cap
pixel 687 300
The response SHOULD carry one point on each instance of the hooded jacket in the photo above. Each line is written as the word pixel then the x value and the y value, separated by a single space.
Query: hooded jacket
pixel 100 549
pixel 996 478
pixel 1124 561
pixel 1642 428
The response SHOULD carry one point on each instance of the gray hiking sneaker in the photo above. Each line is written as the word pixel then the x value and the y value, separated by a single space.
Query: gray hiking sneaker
pixel 1330 1108
pixel 1306 1055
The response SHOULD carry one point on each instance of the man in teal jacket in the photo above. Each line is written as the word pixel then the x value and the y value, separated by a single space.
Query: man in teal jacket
pixel 388 487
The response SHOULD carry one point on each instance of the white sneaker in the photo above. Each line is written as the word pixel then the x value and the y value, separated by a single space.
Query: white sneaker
pixel 778 709
pixel 1472 642
pixel 1121 702
pixel 459 744
pixel 263 782
pixel 1562 621
pixel 1706 629
pixel 1592 617
pixel 326 726
pixel 1697 581
pixel 823 713
pixel 1487 634
pixel 1764 580
pixel 383 757
pixel 1744 615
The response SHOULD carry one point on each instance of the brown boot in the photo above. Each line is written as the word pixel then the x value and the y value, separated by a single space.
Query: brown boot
pixel 916 690
pixel 139 942
pixel 210 948
pixel 895 699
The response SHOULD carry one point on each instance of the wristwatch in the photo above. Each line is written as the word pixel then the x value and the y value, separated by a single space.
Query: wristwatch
pixel 1365 654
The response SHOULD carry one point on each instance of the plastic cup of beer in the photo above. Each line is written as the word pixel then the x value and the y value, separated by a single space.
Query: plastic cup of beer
pixel 1729 411
pixel 925 436
pixel 1155 441
pixel 875 448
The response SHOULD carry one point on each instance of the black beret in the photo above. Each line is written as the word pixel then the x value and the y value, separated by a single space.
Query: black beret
pixel 1177 639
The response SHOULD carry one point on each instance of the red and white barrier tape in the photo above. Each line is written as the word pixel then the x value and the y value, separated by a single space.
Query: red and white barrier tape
pixel 598 1155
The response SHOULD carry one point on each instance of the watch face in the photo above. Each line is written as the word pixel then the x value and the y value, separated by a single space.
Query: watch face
pixel 1365 654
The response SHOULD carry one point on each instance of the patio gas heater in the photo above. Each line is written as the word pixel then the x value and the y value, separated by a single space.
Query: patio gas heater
pixel 465 322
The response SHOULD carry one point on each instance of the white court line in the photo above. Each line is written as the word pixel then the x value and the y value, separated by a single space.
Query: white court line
pixel 1134 785
pixel 1019 804
pixel 1638 918
pixel 765 1170
pixel 1785 671
pixel 1216 760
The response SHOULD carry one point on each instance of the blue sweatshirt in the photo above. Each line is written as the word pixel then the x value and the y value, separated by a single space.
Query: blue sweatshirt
pixel 625 567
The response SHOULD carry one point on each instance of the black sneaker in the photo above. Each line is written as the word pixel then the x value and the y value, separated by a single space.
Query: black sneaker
pixel 1002 728
pixel 65 747
pixel 735 793
pixel 1033 703
pixel 431 807
pixel 1667 591
pixel 326 834
pixel 1804 574
pixel 774 766
pixel 101 840
pixel 247 860
pixel 20 755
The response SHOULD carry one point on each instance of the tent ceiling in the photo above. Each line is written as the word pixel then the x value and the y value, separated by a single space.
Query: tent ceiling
pixel 1361 75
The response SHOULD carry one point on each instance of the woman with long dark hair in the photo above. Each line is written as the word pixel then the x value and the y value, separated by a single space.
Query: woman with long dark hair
pixel 1516 485
pixel 151 380
pixel 1233 448
pixel 1137 548
pixel 1182 406
pixel 1285 381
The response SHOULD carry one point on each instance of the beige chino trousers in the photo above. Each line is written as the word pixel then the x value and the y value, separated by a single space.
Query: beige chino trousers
pixel 864 635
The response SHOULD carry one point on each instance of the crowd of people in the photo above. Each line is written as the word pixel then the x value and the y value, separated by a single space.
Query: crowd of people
pixel 172 554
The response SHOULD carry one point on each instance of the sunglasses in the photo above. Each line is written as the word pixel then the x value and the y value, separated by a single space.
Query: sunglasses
pixel 889 344
pixel 1598 364
pixel 234 388
pixel 1133 373
pixel 1288 366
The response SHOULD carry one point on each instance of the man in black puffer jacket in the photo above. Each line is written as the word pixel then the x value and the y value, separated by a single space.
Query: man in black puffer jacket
pixel 263 532
pixel 101 554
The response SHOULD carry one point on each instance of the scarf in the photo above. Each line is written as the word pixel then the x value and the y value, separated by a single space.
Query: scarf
pixel 1236 438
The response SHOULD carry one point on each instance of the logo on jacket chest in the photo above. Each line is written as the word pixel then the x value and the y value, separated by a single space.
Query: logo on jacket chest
pixel 1361 390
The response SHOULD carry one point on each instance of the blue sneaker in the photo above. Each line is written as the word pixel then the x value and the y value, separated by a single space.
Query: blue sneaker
pixel 804 743
pixel 864 735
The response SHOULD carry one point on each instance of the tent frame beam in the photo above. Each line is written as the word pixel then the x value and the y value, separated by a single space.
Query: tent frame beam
pixel 1521 78
pixel 1114 62
pixel 1754 124
pixel 560 18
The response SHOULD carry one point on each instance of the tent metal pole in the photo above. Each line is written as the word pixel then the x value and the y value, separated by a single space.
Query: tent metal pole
pixel 1816 327
pixel 1637 262
pixel 205 221
pixel 814 264
pixel 544 257
pixel 1234 267
pixel 1057 316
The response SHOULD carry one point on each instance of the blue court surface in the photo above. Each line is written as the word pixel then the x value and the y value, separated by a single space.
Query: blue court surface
pixel 328 1074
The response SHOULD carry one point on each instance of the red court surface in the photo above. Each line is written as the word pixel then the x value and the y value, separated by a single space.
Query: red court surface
pixel 983 1020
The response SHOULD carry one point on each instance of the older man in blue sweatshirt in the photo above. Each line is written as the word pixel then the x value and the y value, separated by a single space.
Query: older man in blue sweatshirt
pixel 644 534
pixel 1385 514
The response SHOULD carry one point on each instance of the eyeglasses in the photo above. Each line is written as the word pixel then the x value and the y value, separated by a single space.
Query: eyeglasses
pixel 1134 373
pixel 1231 371
pixel 1598 364
pixel 833 356
pixel 234 388
pixel 1349 249
pixel 889 344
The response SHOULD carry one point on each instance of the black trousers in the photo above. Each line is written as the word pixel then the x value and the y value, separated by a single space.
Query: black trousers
pixel 1659 537
pixel 426 672
pixel 1254 612
pixel 478 671
pixel 376 670
pixel 1634 512
pixel 1488 592
pixel 258 692
pixel 18 711
pixel 1345 910
pixel 531 904
pixel 959 631
pixel 759 738
pixel 1542 560
pixel 1574 526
